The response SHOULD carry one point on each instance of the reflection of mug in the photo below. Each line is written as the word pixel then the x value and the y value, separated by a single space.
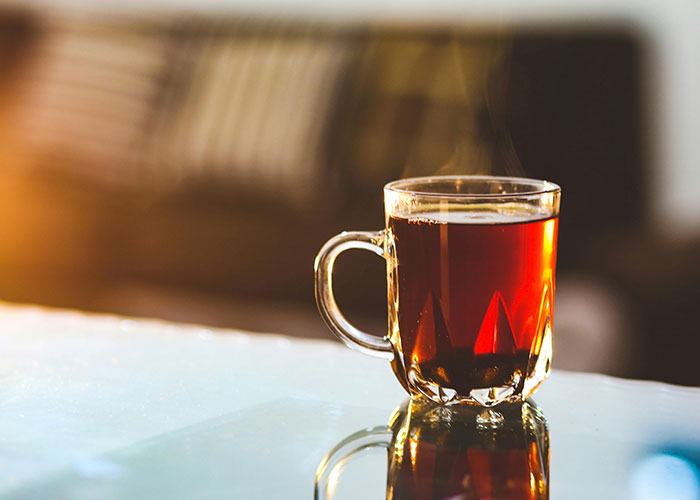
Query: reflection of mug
pixel 470 272
pixel 437 452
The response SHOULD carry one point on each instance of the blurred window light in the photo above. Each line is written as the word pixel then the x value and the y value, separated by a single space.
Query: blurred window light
pixel 665 476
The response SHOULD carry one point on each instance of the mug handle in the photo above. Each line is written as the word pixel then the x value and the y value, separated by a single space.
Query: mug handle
pixel 323 267
pixel 374 437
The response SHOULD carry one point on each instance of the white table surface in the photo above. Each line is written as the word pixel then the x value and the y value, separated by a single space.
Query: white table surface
pixel 102 407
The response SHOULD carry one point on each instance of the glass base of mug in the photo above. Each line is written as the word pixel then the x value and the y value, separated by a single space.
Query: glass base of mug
pixel 486 397
pixel 478 397
pixel 521 383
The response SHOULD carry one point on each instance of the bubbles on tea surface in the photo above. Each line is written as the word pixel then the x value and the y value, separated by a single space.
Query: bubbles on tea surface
pixel 474 217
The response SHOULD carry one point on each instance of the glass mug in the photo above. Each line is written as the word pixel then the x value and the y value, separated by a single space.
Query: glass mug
pixel 470 270
pixel 440 452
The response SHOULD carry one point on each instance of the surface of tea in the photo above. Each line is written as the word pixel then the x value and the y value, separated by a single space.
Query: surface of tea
pixel 473 297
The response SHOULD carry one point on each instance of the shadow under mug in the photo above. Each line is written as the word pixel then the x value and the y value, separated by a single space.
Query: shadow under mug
pixel 444 452
pixel 470 266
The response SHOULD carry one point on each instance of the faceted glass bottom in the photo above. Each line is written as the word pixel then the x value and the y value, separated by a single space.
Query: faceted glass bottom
pixel 490 379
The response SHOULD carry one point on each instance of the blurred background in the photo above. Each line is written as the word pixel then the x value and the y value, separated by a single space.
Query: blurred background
pixel 187 160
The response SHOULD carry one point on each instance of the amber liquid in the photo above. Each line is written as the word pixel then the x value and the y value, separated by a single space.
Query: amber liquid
pixel 472 292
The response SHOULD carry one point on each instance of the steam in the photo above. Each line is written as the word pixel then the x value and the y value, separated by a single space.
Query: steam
pixel 479 141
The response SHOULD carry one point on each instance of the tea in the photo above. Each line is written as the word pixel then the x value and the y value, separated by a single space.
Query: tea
pixel 473 295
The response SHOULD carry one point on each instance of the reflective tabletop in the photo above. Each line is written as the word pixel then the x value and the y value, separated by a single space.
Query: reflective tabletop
pixel 108 407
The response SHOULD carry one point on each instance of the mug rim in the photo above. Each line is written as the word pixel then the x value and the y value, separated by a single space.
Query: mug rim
pixel 539 187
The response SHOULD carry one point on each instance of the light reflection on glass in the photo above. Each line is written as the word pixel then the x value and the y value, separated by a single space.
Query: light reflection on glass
pixel 438 452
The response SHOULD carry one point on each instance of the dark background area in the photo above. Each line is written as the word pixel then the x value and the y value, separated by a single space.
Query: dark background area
pixel 190 167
